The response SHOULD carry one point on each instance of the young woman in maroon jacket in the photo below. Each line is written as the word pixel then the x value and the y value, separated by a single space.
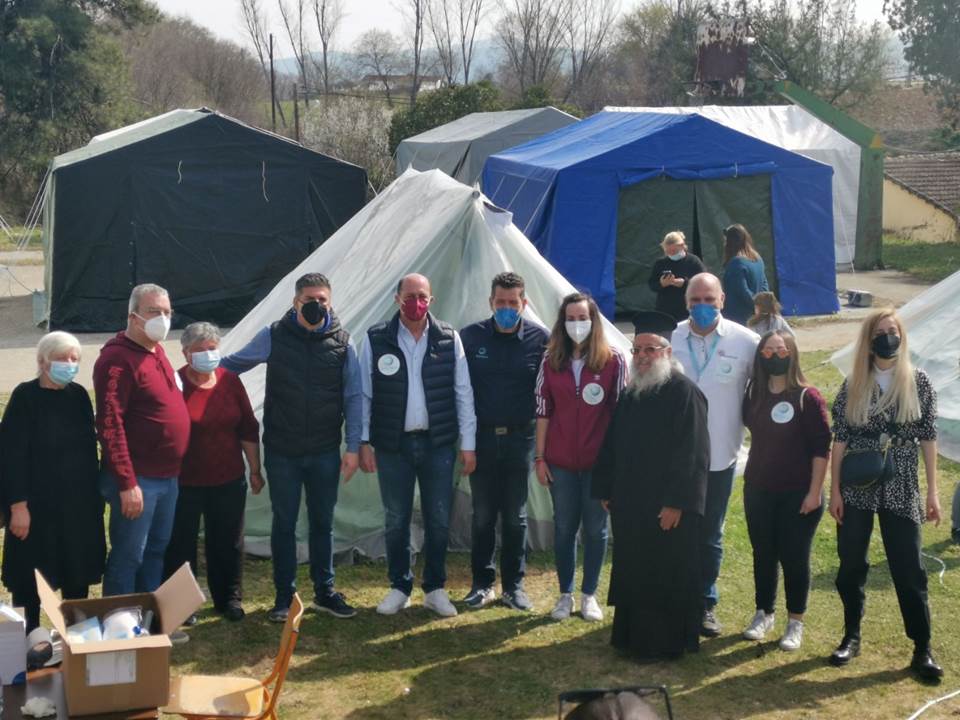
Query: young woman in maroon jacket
pixel 578 386
pixel 783 481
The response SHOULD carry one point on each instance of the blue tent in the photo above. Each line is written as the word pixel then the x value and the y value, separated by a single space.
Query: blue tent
pixel 597 197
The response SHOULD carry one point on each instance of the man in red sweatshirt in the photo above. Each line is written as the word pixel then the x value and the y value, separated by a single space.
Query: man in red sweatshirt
pixel 143 426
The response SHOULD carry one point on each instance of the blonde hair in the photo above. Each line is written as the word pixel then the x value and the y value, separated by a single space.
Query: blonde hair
pixel 596 352
pixel 55 343
pixel 673 238
pixel 861 384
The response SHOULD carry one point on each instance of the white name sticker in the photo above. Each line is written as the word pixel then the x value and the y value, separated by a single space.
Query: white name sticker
pixel 388 364
pixel 593 394
pixel 782 413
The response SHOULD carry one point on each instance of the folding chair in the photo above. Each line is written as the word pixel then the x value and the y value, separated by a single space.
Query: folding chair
pixel 209 697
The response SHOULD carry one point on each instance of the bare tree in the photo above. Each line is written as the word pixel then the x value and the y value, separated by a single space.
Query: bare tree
pixel 415 12
pixel 440 22
pixel 255 21
pixel 329 14
pixel 469 13
pixel 589 27
pixel 532 34
pixel 377 53
pixel 293 23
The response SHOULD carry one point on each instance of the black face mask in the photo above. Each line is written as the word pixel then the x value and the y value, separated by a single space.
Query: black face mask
pixel 775 365
pixel 886 346
pixel 313 312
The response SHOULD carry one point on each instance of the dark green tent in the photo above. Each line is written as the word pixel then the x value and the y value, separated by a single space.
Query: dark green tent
pixel 212 209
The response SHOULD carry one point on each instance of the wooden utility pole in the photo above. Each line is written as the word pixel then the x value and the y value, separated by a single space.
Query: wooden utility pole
pixel 273 89
pixel 296 115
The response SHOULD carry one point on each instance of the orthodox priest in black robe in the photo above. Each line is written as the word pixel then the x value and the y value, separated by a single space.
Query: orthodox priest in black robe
pixel 652 474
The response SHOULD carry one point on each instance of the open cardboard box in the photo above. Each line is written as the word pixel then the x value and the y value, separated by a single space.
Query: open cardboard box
pixel 118 675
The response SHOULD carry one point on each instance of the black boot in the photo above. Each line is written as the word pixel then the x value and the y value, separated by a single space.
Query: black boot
pixel 848 649
pixel 923 664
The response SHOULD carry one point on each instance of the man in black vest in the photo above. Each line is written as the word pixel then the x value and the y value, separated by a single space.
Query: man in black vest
pixel 313 384
pixel 504 354
pixel 417 400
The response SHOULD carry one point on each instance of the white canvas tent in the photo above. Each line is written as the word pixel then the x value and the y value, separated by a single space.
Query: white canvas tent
pixel 793 128
pixel 427 223
pixel 932 320
pixel 460 148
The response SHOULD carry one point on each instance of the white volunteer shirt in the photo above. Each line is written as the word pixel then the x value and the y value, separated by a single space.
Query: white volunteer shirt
pixel 725 358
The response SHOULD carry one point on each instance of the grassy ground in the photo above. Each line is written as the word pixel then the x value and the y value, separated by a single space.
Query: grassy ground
pixel 496 663
pixel 931 262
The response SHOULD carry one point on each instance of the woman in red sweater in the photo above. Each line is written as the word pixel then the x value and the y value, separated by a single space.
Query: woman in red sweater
pixel 578 386
pixel 223 430
pixel 783 481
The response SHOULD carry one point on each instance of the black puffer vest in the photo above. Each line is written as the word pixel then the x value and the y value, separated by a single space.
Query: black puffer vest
pixel 389 407
pixel 303 402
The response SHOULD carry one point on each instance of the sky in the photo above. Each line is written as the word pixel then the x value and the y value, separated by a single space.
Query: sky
pixel 223 16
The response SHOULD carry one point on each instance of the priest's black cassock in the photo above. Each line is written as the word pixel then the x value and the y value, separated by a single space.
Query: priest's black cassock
pixel 656 454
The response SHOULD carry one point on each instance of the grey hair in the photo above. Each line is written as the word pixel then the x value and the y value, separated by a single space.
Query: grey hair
pixel 199 332
pixel 55 343
pixel 139 291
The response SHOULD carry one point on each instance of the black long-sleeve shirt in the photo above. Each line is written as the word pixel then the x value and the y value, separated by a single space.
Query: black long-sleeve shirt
pixel 671 300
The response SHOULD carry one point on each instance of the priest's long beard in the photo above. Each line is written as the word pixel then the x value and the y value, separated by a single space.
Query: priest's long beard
pixel 654 378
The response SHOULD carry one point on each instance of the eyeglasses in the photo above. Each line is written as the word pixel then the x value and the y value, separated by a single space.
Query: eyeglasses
pixel 779 352
pixel 647 349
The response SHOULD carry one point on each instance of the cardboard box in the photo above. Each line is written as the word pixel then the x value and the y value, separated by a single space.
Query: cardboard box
pixel 118 675
pixel 13 649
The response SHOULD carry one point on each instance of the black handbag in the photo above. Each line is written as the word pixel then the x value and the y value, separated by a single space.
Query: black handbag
pixel 865 468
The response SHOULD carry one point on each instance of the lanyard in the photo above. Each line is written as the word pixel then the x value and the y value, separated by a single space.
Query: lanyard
pixel 697 367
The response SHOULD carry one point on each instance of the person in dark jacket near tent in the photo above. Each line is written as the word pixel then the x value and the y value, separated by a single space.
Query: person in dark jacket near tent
pixel 417 400
pixel 48 481
pixel 313 388
pixel 669 276
pixel 652 474
pixel 744 274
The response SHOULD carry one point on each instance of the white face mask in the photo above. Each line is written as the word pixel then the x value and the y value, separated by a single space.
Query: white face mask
pixel 578 330
pixel 156 328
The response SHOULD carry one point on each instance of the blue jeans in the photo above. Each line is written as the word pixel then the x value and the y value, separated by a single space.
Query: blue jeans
pixel 573 504
pixel 398 473
pixel 499 488
pixel 719 485
pixel 319 476
pixel 137 547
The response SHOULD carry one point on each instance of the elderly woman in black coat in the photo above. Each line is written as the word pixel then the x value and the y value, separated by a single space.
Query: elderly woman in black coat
pixel 48 481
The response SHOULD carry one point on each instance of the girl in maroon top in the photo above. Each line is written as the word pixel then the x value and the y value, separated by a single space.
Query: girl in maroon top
pixel 223 430
pixel 783 481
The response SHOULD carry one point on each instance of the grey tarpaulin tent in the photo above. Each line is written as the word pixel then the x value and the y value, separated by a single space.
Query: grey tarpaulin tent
pixel 428 223
pixel 214 210
pixel 460 148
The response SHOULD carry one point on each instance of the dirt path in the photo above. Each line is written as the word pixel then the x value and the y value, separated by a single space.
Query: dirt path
pixel 19 336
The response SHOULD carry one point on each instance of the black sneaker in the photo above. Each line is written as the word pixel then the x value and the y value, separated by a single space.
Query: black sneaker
pixel 710 627
pixel 335 604
pixel 517 600
pixel 479 597
pixel 234 613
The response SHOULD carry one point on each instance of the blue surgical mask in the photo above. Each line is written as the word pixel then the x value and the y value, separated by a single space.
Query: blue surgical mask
pixel 506 317
pixel 63 372
pixel 206 361
pixel 704 315
pixel 679 256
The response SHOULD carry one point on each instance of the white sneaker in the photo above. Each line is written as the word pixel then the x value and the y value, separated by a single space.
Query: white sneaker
pixel 438 601
pixel 792 636
pixel 759 626
pixel 563 608
pixel 394 602
pixel 590 609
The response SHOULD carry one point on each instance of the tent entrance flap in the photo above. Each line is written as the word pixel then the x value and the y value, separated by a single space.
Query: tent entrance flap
pixel 700 209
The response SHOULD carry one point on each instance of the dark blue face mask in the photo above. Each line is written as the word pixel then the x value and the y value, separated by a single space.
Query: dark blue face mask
pixel 506 317
pixel 704 315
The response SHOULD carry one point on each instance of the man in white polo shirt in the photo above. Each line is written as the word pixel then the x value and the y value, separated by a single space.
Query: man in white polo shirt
pixel 717 354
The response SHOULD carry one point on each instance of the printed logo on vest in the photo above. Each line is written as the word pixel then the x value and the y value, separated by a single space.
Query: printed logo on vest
pixel 388 364
pixel 593 394
pixel 782 413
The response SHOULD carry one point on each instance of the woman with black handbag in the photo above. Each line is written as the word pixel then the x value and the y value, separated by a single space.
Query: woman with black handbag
pixel 884 416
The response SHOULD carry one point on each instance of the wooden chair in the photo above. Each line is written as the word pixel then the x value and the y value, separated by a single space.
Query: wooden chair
pixel 209 697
